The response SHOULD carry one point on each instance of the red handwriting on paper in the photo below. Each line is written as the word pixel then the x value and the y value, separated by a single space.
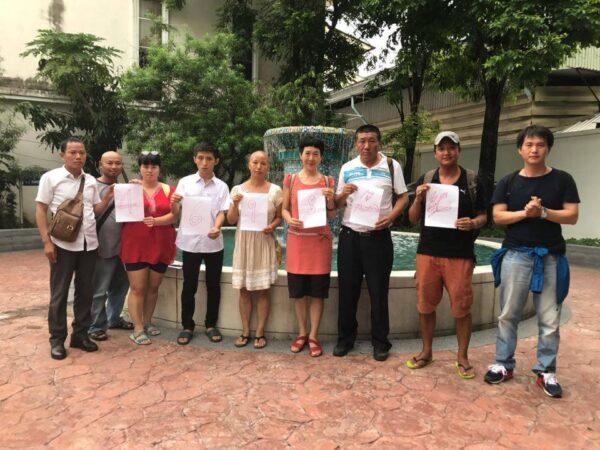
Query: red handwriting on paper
pixel 364 202
pixel 250 212
pixel 436 203
pixel 311 203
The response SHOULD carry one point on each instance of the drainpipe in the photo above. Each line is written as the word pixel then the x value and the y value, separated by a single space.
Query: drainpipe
pixel 358 114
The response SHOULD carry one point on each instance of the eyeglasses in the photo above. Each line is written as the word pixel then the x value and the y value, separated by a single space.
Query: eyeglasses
pixel 151 152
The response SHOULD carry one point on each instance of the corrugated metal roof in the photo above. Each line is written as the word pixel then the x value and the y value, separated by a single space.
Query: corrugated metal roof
pixel 585 58
pixel 589 124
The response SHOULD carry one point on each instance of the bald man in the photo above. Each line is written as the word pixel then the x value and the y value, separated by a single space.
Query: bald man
pixel 110 280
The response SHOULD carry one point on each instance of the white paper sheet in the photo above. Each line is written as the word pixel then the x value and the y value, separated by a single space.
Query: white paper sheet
pixel 129 202
pixel 441 206
pixel 196 218
pixel 254 210
pixel 312 210
pixel 366 205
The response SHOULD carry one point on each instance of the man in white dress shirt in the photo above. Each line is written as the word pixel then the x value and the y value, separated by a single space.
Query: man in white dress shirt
pixel 65 258
pixel 198 248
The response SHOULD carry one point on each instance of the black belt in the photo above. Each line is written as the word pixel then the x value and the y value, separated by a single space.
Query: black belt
pixel 371 233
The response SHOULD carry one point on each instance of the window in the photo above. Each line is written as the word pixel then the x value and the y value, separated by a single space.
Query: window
pixel 149 33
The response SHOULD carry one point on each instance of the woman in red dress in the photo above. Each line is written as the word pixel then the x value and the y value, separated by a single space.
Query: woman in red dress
pixel 147 248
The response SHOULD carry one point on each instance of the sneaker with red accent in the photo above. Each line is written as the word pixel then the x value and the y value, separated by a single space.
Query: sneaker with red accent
pixel 549 384
pixel 497 374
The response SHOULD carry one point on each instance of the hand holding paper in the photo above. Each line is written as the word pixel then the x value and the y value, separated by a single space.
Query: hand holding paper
pixel 441 206
pixel 129 202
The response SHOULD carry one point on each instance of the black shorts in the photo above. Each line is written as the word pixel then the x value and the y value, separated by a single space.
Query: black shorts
pixel 158 267
pixel 316 286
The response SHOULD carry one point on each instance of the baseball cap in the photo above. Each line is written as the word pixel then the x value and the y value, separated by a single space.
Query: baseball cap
pixel 446 134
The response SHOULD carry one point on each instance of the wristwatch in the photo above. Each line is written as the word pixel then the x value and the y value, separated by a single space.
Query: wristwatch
pixel 544 213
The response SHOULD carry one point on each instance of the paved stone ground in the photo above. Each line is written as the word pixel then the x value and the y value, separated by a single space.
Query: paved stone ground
pixel 168 396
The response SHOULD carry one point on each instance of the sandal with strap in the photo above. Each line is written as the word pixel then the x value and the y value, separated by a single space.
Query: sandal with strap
pixel 140 339
pixel 298 344
pixel 99 335
pixel 257 340
pixel 185 337
pixel 242 341
pixel 213 334
pixel 315 348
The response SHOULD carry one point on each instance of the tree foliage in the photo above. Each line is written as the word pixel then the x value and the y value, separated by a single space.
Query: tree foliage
pixel 420 31
pixel 501 46
pixel 10 133
pixel 193 92
pixel 80 69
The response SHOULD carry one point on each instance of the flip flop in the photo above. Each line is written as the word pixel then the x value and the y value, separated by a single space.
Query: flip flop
pixel 140 339
pixel 257 342
pixel 244 342
pixel 462 371
pixel 151 329
pixel 418 363
pixel 185 337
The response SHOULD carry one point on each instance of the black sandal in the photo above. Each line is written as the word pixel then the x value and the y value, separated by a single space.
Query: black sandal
pixel 257 340
pixel 123 325
pixel 99 335
pixel 185 337
pixel 245 340
pixel 213 333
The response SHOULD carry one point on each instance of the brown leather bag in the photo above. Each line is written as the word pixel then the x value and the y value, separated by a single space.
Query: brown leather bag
pixel 67 220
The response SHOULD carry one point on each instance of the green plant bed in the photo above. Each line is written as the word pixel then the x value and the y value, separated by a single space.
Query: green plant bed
pixel 591 242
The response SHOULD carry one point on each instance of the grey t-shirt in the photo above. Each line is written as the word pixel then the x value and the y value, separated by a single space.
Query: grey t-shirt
pixel 109 236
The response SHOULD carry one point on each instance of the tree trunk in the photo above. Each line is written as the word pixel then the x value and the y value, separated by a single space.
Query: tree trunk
pixel 494 93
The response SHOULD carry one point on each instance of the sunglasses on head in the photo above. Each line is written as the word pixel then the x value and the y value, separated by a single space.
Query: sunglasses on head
pixel 151 152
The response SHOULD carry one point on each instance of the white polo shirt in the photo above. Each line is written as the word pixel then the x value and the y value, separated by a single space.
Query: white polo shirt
pixel 355 172
pixel 59 185
pixel 218 192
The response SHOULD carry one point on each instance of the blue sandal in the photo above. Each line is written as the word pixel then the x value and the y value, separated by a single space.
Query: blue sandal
pixel 140 339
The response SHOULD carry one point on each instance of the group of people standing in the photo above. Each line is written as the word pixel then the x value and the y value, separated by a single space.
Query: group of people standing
pixel 109 258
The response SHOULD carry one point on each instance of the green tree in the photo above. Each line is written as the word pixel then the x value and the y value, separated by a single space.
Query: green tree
pixel 420 30
pixel 193 92
pixel 80 69
pixel 10 133
pixel 499 47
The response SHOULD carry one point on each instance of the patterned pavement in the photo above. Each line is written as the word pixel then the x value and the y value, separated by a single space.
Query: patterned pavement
pixel 167 396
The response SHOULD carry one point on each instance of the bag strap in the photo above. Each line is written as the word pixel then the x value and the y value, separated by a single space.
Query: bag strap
pixel 81 185
pixel 166 189
pixel 390 163
pixel 428 177
pixel 100 221
pixel 472 186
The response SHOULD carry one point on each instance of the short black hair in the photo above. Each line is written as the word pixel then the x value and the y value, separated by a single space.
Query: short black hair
pixel 536 131
pixel 205 146
pixel 311 141
pixel 65 143
pixel 149 158
pixel 368 128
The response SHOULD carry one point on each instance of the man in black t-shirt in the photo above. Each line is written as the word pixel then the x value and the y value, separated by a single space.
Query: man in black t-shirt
pixel 445 256
pixel 532 203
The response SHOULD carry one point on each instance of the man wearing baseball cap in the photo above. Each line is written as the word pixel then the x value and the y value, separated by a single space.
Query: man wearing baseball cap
pixel 445 256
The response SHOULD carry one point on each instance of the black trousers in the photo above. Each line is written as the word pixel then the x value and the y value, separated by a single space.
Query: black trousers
pixel 191 270
pixel 371 256
pixel 61 274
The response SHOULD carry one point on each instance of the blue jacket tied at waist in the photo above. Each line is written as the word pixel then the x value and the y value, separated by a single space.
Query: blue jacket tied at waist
pixel 537 276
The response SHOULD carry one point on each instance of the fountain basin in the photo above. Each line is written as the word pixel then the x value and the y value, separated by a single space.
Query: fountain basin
pixel 404 319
